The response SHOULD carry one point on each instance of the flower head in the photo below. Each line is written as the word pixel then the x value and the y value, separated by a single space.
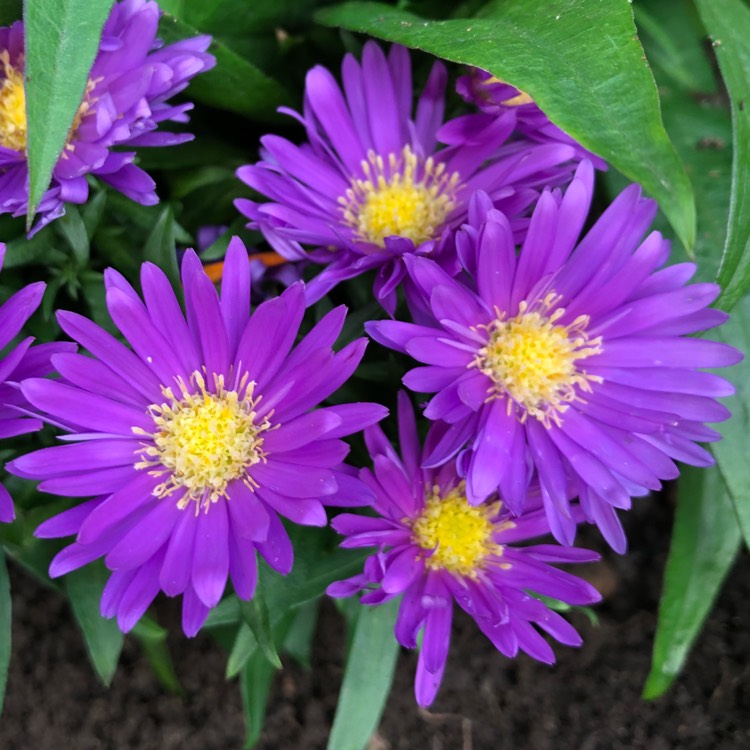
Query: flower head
pixel 22 360
pixel 435 548
pixel 495 97
pixel 196 440
pixel 371 184
pixel 126 98
pixel 570 361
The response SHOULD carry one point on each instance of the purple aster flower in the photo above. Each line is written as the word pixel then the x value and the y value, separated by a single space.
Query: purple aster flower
pixel 495 97
pixel 570 361
pixel 435 548
pixel 20 361
pixel 126 98
pixel 371 184
pixel 192 444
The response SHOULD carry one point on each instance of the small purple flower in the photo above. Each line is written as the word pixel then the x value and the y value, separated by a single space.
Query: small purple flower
pixel 495 97
pixel 371 184
pixel 21 361
pixel 193 443
pixel 126 98
pixel 570 362
pixel 436 549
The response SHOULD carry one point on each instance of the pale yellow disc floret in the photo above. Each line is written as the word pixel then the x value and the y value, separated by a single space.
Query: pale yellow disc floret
pixel 402 195
pixel 535 361
pixel 12 106
pixel 460 534
pixel 203 440
pixel 13 128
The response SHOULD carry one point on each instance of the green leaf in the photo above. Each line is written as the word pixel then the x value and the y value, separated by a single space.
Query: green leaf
pixel 367 678
pixel 235 84
pixel 103 637
pixel 728 24
pixel 731 452
pixel 255 614
pixel 93 211
pixel 161 249
pixel 705 541
pixel 153 640
pixel 244 646
pixel 590 77
pixel 5 626
pixel 72 228
pixel 255 684
pixel 298 641
pixel 61 41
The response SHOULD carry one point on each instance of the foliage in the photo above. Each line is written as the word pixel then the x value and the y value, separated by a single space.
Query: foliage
pixel 638 87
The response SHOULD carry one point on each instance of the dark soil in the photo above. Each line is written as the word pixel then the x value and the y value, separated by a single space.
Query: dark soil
pixel 590 700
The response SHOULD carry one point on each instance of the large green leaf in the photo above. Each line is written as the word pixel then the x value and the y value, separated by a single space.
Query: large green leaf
pixel 581 61
pixel 728 23
pixel 705 540
pixel 235 83
pixel 367 678
pixel 61 41
pixel 731 452
pixel 5 623
pixel 103 637
pixel 696 120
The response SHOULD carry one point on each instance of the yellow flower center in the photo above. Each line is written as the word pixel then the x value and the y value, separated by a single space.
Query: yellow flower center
pixel 534 360
pixel 12 106
pixel 408 197
pixel 460 534
pixel 13 130
pixel 202 441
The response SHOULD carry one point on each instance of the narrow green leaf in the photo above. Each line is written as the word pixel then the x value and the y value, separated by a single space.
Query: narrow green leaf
pixel 226 612
pixel 61 41
pixel 255 614
pixel 591 77
pixel 152 638
pixel 5 626
pixel 705 541
pixel 244 646
pixel 367 678
pixel 72 228
pixel 728 24
pixel 93 211
pixel 731 452
pixel 160 248
pixel 103 637
pixel 255 684
pixel 235 84
pixel 298 641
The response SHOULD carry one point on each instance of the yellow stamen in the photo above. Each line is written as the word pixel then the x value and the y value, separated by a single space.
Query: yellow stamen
pixel 401 195
pixel 534 360
pixel 13 128
pixel 203 440
pixel 460 534
pixel 12 106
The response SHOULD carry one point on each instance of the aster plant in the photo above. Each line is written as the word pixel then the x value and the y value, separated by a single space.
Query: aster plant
pixel 435 548
pixel 569 356
pixel 126 99
pixel 195 441
pixel 485 209
pixel 373 183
